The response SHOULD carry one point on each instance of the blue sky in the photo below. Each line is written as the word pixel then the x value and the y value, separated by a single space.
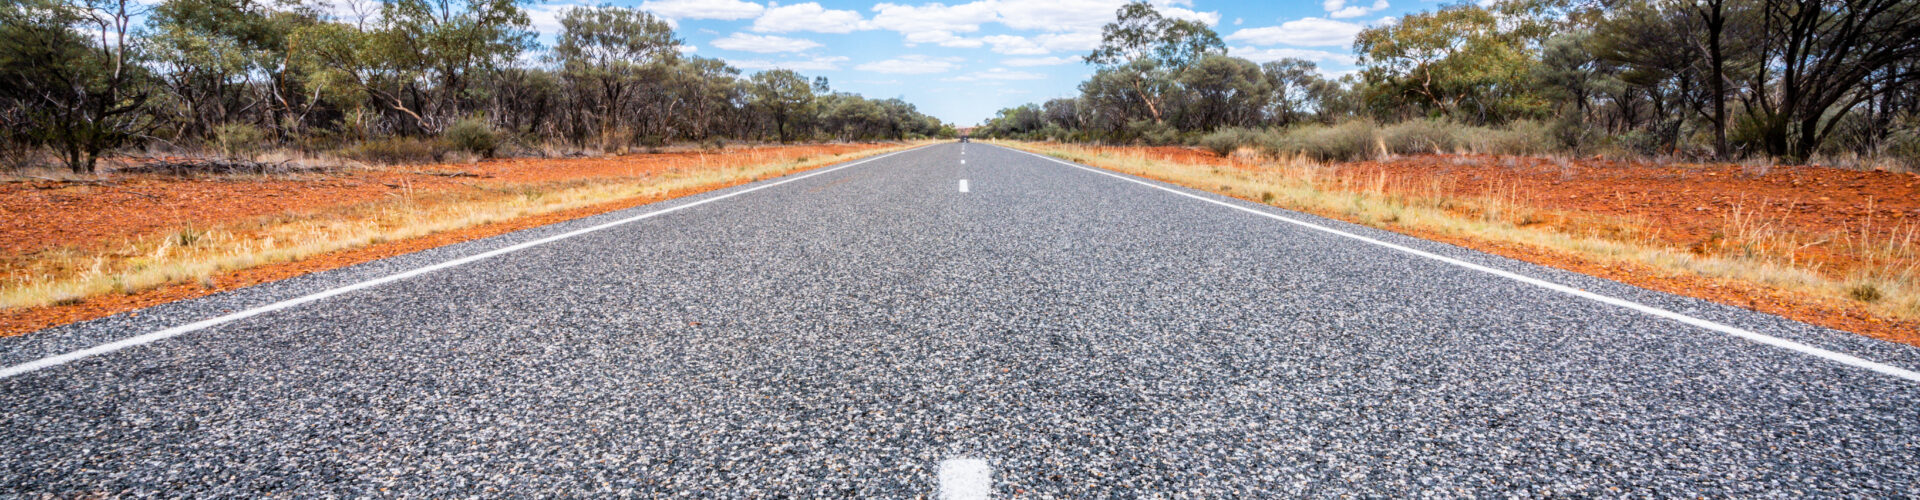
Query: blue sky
pixel 962 61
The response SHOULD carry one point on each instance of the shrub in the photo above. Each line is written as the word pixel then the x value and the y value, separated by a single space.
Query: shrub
pixel 472 135
pixel 395 150
pixel 1903 149
pixel 1353 140
pixel 1421 136
pixel 1522 137
pixel 233 139
pixel 1227 140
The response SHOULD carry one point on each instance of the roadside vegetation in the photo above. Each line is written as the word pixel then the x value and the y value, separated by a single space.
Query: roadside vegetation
pixel 1666 144
pixel 84 82
pixel 259 135
pixel 71 267
pixel 1829 264
pixel 1784 81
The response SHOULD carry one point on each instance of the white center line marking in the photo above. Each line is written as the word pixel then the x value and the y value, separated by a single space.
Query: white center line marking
pixel 1761 338
pixel 963 162
pixel 149 338
pixel 963 185
pixel 966 479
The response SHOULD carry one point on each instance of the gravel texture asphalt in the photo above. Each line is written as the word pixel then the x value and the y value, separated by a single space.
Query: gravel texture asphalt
pixel 846 333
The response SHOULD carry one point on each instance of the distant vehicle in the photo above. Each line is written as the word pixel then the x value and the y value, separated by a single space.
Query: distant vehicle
pixel 963 138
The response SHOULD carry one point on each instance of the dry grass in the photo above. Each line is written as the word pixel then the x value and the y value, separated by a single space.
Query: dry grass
pixel 1751 248
pixel 193 254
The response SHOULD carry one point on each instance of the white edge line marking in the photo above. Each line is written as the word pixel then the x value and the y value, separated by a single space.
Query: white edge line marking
pixel 56 360
pixel 1838 357
pixel 963 185
pixel 965 479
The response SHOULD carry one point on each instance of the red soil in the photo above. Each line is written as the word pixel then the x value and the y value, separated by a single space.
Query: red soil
pixel 40 216
pixel 1679 205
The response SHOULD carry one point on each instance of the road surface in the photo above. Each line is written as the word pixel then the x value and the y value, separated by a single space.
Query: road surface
pixel 964 319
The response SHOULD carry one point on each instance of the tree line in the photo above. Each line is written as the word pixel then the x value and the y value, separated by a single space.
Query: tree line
pixel 1784 79
pixel 82 78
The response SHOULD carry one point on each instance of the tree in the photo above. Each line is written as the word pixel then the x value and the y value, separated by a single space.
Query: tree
pixel 610 51
pixel 81 96
pixel 1461 61
pixel 1224 92
pixel 1820 56
pixel 784 95
pixel 1291 81
pixel 1144 50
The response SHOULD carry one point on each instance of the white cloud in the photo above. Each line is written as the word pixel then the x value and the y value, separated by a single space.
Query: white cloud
pixel 1308 32
pixel 809 16
pixel 962 18
pixel 1338 9
pixel 1084 15
pixel 997 74
pixel 545 18
pixel 729 10
pixel 814 64
pixel 911 64
pixel 1040 61
pixel 1015 45
pixel 1069 42
pixel 765 44
pixel 1274 54
pixel 943 39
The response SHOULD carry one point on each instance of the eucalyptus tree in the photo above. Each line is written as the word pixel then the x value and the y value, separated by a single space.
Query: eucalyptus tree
pixel 785 97
pixel 607 54
pixel 81 94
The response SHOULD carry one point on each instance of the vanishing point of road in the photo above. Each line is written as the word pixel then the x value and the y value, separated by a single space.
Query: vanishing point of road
pixel 956 320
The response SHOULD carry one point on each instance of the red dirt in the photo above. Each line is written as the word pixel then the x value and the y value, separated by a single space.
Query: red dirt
pixel 38 216
pixel 1680 205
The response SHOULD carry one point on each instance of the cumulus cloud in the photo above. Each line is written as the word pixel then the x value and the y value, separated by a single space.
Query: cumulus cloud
pixel 728 10
pixel 809 16
pixel 1014 45
pixel 828 63
pixel 997 74
pixel 943 39
pixel 765 44
pixel 1308 32
pixel 1039 61
pixel 962 18
pixel 1338 9
pixel 912 64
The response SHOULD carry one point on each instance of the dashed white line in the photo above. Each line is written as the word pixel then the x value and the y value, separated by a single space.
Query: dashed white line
pixel 149 338
pixel 965 479
pixel 1834 356
pixel 963 185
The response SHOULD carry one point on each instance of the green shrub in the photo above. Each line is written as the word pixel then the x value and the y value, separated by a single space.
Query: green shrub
pixel 1153 133
pixel 395 150
pixel 234 139
pixel 473 135
pixel 1521 138
pixel 1352 140
pixel 1227 140
pixel 1903 148
pixel 1422 136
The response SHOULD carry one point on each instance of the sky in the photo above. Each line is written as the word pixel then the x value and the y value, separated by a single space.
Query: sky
pixel 963 61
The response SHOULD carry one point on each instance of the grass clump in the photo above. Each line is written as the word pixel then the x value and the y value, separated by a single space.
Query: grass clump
pixel 235 139
pixel 1421 136
pixel 395 151
pixel 1227 140
pixel 1354 140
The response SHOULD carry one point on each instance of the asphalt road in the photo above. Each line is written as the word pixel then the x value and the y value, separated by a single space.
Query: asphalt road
pixel 873 331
